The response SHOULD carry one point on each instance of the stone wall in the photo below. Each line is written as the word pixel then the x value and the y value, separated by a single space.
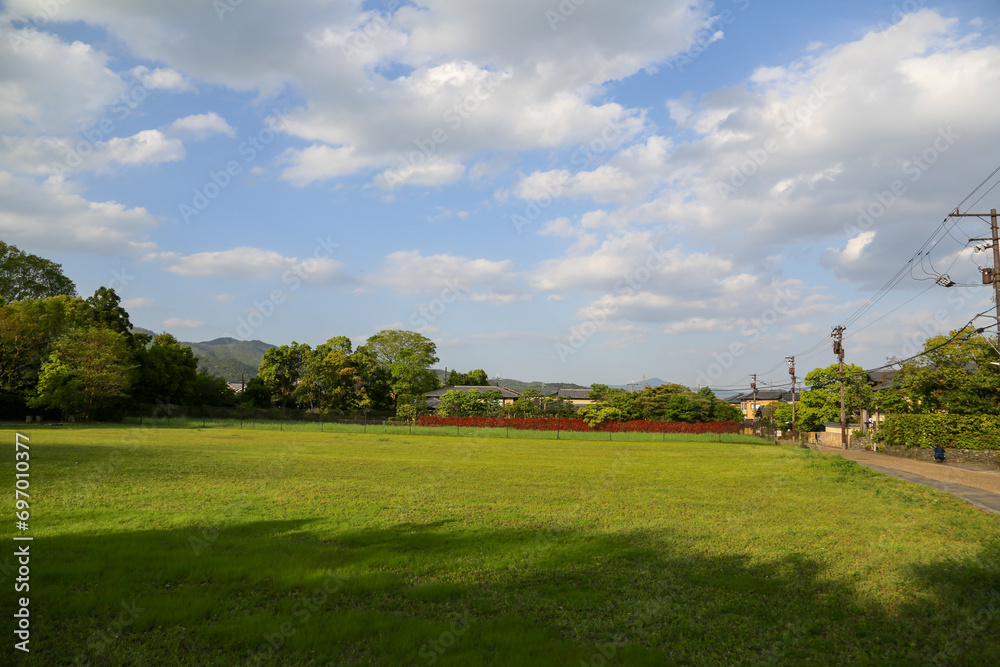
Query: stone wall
pixel 955 455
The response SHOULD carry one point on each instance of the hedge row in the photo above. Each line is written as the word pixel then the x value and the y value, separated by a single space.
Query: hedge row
pixel 962 431
pixel 550 424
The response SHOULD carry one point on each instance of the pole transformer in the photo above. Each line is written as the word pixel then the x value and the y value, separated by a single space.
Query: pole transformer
pixel 791 371
pixel 838 349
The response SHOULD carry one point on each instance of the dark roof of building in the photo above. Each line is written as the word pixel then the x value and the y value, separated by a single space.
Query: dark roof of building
pixel 572 393
pixel 504 391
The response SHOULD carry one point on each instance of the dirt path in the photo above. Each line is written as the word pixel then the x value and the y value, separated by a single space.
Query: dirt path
pixel 978 487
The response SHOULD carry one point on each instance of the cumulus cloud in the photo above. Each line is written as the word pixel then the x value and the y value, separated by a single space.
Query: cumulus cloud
pixel 203 125
pixel 162 78
pixel 54 217
pixel 249 263
pixel 410 272
pixel 462 68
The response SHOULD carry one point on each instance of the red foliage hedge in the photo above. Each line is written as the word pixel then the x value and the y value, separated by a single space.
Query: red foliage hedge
pixel 550 424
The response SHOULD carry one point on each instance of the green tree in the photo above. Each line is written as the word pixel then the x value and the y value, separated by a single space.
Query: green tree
pixel 255 394
pixel 959 378
pixel 21 342
pixel 609 404
pixel 211 391
pixel 167 371
pixel 476 378
pixel 331 381
pixel 405 357
pixel 281 369
pixel 822 400
pixel 105 310
pixel 27 276
pixel 473 403
pixel 86 369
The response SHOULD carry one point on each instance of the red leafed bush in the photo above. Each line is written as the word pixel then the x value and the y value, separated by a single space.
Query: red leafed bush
pixel 550 424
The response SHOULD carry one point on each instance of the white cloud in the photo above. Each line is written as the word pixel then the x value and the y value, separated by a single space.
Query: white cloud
pixel 463 68
pixel 248 263
pixel 145 147
pixel 50 87
pixel 137 304
pixel 410 272
pixel 162 79
pixel 53 217
pixel 224 298
pixel 203 125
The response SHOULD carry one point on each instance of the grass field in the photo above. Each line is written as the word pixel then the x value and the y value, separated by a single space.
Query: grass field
pixel 228 547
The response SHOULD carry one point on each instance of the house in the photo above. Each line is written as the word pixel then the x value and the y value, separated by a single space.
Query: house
pixel 745 401
pixel 434 397
pixel 578 398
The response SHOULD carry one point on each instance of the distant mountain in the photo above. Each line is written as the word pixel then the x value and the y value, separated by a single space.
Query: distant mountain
pixel 640 384
pixel 229 358
pixel 517 385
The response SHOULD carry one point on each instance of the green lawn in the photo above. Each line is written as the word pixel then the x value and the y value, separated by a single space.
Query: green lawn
pixel 221 546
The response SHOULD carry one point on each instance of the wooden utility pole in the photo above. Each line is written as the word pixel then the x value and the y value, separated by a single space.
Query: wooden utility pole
pixel 753 407
pixel 791 371
pixel 995 271
pixel 838 349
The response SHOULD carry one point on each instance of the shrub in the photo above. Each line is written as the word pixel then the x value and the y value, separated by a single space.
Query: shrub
pixel 963 431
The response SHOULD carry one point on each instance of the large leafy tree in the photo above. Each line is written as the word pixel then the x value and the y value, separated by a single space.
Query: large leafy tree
pixel 822 400
pixel 476 378
pixel 957 374
pixel 405 357
pixel 28 330
pixel 105 310
pixel 168 371
pixel 472 403
pixel 87 368
pixel 21 340
pixel 331 381
pixel 27 276
pixel 281 369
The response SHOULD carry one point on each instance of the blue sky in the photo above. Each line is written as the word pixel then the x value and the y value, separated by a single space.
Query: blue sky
pixel 581 191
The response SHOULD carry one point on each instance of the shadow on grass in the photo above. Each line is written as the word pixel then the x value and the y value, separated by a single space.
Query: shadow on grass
pixel 279 592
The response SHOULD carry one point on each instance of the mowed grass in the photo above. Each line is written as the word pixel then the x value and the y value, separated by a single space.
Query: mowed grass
pixel 224 547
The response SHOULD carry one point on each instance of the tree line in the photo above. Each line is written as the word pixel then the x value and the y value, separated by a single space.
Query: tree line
pixel 956 373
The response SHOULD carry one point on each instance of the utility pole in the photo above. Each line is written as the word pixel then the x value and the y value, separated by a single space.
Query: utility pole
pixel 791 371
pixel 838 349
pixel 994 273
pixel 753 407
